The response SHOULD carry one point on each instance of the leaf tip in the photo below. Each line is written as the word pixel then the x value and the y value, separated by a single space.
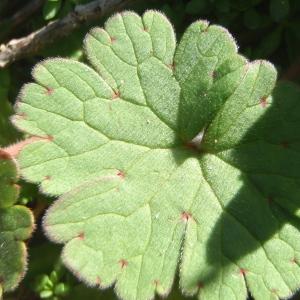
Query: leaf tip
pixel 4 155
pixel 116 95
pixel 123 263
pixel 121 174
pixel 243 271
pixel 263 101
pixel 49 91
pixel 81 236
pixel 186 216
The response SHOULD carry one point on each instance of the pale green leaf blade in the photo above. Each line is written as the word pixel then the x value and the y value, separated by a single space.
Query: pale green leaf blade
pixel 140 194
pixel 242 109
pixel 141 233
pixel 252 209
pixel 208 70
pixel 124 44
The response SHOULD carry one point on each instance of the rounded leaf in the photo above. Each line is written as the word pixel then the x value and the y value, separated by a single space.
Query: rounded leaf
pixel 167 155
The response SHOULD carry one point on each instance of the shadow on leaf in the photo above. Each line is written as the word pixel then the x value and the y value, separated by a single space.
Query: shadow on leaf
pixel 258 229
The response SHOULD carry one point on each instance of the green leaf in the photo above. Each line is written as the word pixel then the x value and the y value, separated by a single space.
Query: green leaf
pixel 51 9
pixel 46 294
pixel 80 292
pixel 16 224
pixel 279 9
pixel 167 156
pixel 9 191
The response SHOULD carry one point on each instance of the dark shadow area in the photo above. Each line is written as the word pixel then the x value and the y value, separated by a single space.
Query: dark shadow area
pixel 268 158
pixel 270 194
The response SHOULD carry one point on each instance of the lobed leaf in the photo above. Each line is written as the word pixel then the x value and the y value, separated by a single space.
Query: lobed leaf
pixel 167 156
pixel 16 225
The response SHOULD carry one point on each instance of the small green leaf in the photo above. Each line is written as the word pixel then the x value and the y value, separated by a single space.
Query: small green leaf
pixel 16 224
pixel 43 282
pixel 168 155
pixel 279 9
pixel 46 294
pixel 51 9
pixel 54 277
pixel 61 289
pixel 9 190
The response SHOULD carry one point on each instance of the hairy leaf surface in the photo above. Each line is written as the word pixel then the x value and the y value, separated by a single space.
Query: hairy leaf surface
pixel 16 224
pixel 167 156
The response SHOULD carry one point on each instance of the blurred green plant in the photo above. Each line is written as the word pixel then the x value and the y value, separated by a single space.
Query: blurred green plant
pixel 16 226
pixel 51 286
pixel 51 9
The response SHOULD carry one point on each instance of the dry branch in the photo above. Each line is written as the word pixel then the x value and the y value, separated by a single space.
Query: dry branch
pixel 29 45
pixel 9 25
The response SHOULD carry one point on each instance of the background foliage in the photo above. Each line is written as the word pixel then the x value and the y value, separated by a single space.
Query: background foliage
pixel 267 29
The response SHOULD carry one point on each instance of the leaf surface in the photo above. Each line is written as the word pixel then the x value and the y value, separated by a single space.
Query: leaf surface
pixel 167 155
pixel 16 224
